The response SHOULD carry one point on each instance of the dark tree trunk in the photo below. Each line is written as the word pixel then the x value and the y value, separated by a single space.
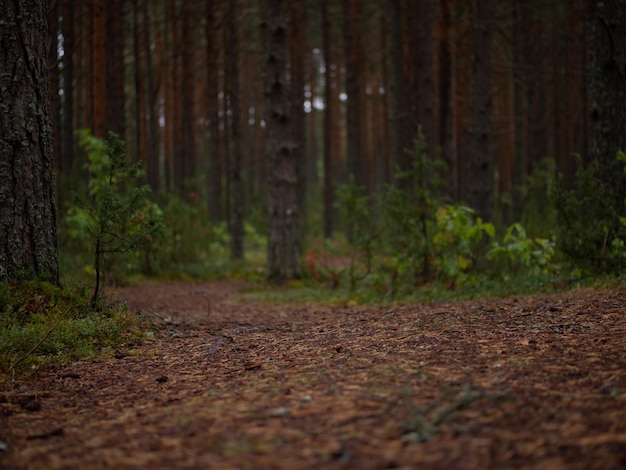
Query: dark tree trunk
pixel 98 68
pixel 330 114
pixel 397 97
pixel 151 89
pixel 66 158
pixel 53 70
pixel 607 93
pixel 28 241
pixel 352 51
pixel 234 136
pixel 115 117
pixel 214 193
pixel 480 164
pixel 445 117
pixel 297 44
pixel 283 152
pixel 188 155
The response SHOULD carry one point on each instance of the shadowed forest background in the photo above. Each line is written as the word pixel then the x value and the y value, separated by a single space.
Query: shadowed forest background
pixel 432 141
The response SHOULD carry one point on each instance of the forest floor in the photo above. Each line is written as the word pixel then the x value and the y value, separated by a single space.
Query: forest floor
pixel 226 382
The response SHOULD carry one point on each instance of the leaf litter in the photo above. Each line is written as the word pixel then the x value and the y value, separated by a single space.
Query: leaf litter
pixel 533 382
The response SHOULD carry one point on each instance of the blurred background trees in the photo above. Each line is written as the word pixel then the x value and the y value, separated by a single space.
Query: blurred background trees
pixel 495 87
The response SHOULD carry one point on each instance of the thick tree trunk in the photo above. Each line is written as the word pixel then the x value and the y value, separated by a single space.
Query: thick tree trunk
pixel 28 242
pixel 283 152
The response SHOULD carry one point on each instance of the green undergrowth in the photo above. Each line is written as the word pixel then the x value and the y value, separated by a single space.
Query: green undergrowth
pixel 43 326
pixel 321 292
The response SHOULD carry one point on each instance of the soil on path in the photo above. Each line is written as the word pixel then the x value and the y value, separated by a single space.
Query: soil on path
pixel 535 382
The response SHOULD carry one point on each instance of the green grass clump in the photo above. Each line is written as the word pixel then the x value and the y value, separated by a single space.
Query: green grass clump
pixel 43 326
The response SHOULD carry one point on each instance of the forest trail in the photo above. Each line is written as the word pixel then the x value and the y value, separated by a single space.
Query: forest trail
pixel 533 382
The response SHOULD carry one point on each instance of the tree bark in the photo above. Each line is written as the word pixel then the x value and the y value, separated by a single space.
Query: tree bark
pixel 330 114
pixel 283 151
pixel 234 144
pixel 480 164
pixel 354 106
pixel 98 68
pixel 607 93
pixel 114 109
pixel 214 193
pixel 66 158
pixel 28 241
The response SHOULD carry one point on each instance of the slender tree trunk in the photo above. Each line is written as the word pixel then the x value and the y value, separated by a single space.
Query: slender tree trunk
pixel 397 97
pixel 297 44
pixel 53 70
pixel 66 159
pixel 150 104
pixel 188 156
pixel 234 144
pixel 28 241
pixel 330 114
pixel 445 115
pixel 480 165
pixel 115 117
pixel 215 162
pixel 283 151
pixel 354 107
pixel 424 73
pixel 98 70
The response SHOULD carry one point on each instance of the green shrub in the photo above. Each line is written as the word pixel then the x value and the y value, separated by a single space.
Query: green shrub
pixel 590 226
pixel 519 253
pixel 458 241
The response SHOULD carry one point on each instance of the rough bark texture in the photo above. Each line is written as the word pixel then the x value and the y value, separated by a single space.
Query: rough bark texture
pixel 282 150
pixel 607 91
pixel 28 242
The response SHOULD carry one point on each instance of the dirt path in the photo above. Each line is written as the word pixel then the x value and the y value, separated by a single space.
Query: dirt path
pixel 537 382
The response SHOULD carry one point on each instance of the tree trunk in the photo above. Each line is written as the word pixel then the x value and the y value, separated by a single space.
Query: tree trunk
pixel 28 241
pixel 98 68
pixel 66 158
pixel 214 193
pixel 397 99
pixel 234 136
pixel 297 44
pixel 53 70
pixel 480 165
pixel 187 144
pixel 330 114
pixel 283 152
pixel 607 93
pixel 152 157
pixel 115 117
pixel 354 106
